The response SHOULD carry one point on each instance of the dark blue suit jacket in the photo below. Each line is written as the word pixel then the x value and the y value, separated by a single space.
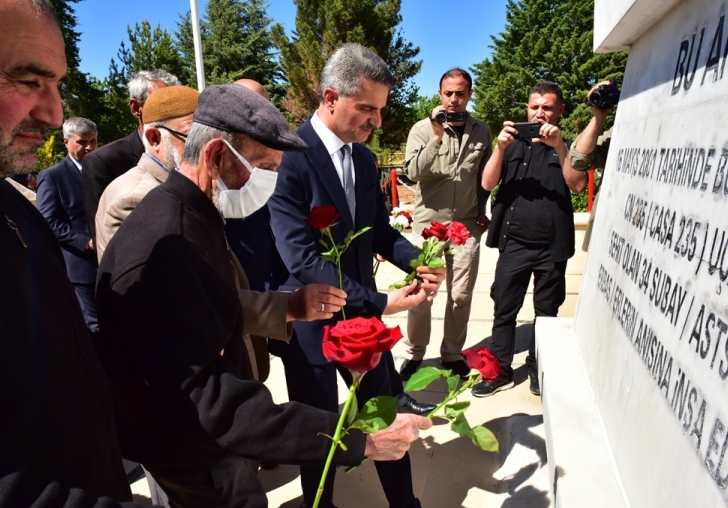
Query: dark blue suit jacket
pixel 60 201
pixel 307 180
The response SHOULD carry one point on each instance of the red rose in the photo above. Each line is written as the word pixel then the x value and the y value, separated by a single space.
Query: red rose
pixel 357 344
pixel 322 217
pixel 436 229
pixel 457 233
pixel 483 361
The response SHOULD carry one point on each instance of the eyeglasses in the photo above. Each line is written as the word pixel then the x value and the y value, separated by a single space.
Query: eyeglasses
pixel 180 134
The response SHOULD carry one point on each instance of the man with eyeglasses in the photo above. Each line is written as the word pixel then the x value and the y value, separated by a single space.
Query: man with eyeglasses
pixel 445 155
pixel 168 117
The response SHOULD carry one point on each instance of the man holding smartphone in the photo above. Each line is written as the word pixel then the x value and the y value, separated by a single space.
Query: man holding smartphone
pixel 446 154
pixel 533 227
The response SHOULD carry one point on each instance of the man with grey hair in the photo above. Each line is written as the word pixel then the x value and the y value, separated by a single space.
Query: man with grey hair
pixel 338 170
pixel 187 406
pixel 60 200
pixel 168 118
pixel 116 158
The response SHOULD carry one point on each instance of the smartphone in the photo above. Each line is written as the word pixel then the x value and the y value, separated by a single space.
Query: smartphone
pixel 527 130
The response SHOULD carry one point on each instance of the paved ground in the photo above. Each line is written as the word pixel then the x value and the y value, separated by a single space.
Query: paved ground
pixel 449 471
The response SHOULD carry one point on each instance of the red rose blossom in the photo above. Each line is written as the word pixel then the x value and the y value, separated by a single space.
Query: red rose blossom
pixel 357 344
pixel 457 233
pixel 483 361
pixel 322 217
pixel 436 229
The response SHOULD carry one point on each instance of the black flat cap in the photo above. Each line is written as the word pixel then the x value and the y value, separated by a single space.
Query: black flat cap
pixel 236 108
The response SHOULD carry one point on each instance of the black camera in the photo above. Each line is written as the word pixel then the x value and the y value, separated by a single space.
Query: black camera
pixel 444 116
pixel 604 96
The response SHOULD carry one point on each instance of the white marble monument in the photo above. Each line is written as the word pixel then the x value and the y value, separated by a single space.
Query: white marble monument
pixel 635 393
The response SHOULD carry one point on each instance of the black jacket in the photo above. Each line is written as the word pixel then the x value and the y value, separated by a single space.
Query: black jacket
pixel 103 166
pixel 57 428
pixel 168 306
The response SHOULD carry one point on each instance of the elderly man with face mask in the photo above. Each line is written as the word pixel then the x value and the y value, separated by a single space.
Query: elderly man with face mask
pixel 168 306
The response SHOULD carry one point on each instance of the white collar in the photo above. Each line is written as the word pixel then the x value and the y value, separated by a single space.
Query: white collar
pixel 78 164
pixel 330 140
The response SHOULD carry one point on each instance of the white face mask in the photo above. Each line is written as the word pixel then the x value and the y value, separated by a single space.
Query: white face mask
pixel 242 203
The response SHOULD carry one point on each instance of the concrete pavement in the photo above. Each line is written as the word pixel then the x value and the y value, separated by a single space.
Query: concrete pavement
pixel 449 471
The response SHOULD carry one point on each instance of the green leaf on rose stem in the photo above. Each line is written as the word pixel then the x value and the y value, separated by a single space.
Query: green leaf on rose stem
pixel 422 378
pixel 484 439
pixel 452 382
pixel 359 233
pixel 326 436
pixel 436 263
pixel 461 426
pixel 321 241
pixel 397 285
pixel 343 446
pixel 378 413
pixel 417 262
pixel 453 410
pixel 352 410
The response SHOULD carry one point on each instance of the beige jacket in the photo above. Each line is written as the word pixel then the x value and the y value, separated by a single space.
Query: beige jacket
pixel 122 196
pixel 448 174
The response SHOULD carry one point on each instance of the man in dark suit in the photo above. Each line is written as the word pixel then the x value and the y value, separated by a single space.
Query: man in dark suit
pixel 337 170
pixel 60 201
pixel 116 158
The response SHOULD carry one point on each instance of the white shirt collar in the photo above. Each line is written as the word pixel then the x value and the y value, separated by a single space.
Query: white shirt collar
pixel 330 140
pixel 78 164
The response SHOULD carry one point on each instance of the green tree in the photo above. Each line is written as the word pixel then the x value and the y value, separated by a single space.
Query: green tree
pixel 543 40
pixel 322 26
pixel 237 42
pixel 423 107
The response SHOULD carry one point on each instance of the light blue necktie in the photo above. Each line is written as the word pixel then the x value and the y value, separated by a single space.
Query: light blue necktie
pixel 349 181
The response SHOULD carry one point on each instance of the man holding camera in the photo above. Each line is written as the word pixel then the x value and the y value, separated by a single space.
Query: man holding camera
pixel 446 154
pixel 533 226
pixel 590 149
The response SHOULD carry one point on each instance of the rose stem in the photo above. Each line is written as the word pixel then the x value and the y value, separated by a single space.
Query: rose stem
pixel 337 440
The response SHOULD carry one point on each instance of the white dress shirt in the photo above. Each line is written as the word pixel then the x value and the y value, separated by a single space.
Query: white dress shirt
pixel 333 144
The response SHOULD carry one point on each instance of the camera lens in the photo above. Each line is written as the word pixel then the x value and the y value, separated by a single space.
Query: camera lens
pixel 441 117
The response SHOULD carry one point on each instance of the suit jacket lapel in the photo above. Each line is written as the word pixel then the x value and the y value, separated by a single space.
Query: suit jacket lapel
pixel 73 173
pixel 322 164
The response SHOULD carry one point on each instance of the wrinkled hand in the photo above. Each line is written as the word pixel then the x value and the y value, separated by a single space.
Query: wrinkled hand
pixel 394 441
pixel 507 135
pixel 405 298
pixel 483 222
pixel 431 279
pixel 314 301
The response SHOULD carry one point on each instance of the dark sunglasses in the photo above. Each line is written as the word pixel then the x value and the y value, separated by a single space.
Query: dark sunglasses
pixel 180 134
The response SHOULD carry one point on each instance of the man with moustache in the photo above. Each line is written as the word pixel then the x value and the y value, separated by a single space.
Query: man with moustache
pixel 168 306
pixel 60 200
pixel 58 444
pixel 532 227
pixel 116 158
pixel 338 170
pixel 446 159
pixel 168 117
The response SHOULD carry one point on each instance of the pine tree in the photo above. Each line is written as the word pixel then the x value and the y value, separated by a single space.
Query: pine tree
pixel 237 42
pixel 543 40
pixel 322 26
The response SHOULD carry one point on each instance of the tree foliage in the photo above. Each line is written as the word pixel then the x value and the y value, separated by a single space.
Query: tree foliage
pixel 237 42
pixel 322 26
pixel 543 40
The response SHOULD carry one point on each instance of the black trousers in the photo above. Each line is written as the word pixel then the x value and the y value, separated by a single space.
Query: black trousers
pixel 85 293
pixel 315 385
pixel 513 272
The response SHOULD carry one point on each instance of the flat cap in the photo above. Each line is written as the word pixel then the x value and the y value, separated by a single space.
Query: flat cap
pixel 170 102
pixel 235 108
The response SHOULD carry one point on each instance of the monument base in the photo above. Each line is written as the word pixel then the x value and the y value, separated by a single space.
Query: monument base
pixel 580 461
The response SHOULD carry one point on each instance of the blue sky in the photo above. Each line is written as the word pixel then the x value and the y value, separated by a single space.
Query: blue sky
pixel 449 33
